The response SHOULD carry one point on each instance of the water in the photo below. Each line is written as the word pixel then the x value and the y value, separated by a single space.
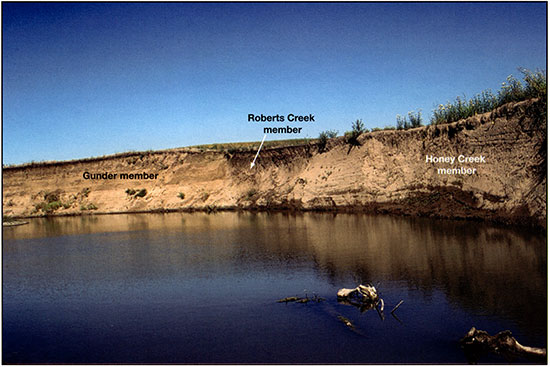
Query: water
pixel 198 288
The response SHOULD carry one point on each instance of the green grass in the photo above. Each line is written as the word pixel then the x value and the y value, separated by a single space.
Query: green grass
pixel 532 85
pixel 387 127
pixel 513 90
pixel 413 119
pixel 90 206
pixel 48 207
pixel 51 203
pixel 8 218
pixel 251 146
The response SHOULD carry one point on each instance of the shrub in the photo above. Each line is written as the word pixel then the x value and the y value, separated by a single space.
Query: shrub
pixel 141 193
pixel 51 207
pixel 135 193
pixel 357 128
pixel 401 122
pixel 414 120
pixel 181 195
pixel 251 193
pixel 323 138
pixel 535 83
pixel 512 90
pixel 50 197
pixel 205 196
pixel 90 206
pixel 233 150
pixel 322 142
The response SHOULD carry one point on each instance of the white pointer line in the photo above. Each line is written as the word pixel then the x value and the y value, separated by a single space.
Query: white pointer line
pixel 252 164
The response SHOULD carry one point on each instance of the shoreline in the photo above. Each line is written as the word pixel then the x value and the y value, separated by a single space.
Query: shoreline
pixel 528 224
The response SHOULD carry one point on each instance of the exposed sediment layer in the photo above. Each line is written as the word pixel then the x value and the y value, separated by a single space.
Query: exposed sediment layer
pixel 390 172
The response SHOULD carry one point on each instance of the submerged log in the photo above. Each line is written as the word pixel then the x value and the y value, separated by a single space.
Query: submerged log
pixel 477 342
pixel 346 321
pixel 288 299
pixel 305 299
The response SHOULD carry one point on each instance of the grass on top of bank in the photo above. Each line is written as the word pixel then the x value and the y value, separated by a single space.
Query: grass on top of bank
pixel 512 90
pixel 253 145
pixel 534 85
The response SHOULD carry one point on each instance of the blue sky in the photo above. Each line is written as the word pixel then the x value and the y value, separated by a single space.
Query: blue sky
pixel 89 79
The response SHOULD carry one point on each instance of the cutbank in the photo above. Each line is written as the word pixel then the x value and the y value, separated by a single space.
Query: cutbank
pixel 490 166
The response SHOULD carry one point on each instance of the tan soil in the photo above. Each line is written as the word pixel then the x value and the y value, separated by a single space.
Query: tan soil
pixel 388 173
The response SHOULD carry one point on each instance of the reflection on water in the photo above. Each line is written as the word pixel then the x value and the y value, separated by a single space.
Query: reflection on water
pixel 451 274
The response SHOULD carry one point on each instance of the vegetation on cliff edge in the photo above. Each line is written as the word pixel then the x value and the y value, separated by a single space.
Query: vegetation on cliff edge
pixel 512 90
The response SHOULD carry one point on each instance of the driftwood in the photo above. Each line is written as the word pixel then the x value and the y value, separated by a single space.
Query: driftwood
pixel 380 309
pixel 305 299
pixel 478 342
pixel 363 295
pixel 346 321
pixel 396 307
pixel 288 299
pixel 14 223
pixel 366 298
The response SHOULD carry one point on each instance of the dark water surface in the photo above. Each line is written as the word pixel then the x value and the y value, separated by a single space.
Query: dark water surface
pixel 198 288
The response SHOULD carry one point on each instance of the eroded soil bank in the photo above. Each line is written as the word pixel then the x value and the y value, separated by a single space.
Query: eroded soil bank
pixel 390 172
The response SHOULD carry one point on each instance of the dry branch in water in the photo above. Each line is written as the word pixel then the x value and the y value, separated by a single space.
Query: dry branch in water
pixel 362 293
pixel 346 321
pixel 396 307
pixel 364 297
pixel 479 342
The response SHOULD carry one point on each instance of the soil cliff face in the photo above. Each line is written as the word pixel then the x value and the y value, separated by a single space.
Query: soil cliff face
pixel 390 172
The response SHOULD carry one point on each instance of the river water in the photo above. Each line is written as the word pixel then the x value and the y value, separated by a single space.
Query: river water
pixel 199 288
